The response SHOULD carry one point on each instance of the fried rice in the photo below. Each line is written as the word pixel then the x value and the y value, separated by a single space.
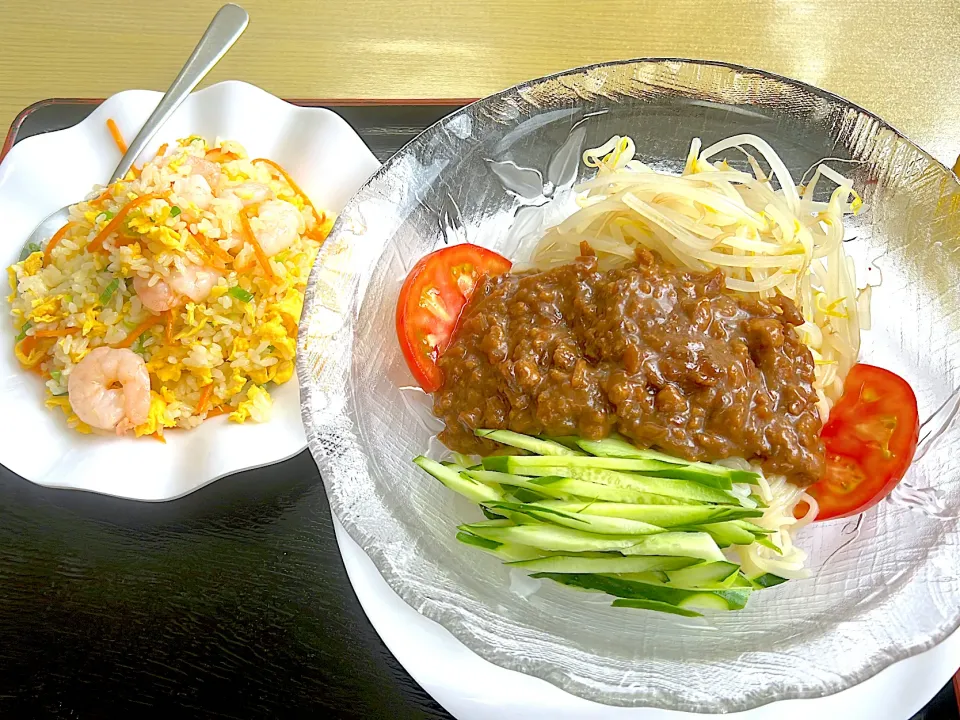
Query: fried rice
pixel 197 210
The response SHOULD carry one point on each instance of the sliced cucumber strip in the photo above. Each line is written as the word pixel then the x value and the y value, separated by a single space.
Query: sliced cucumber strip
pixel 571 468
pixel 524 495
pixel 728 533
pixel 464 460
pixel 662 515
pixel 526 442
pixel 730 599
pixel 505 551
pixel 617 447
pixel 754 528
pixel 463 484
pixel 568 441
pixel 767 580
pixel 613 563
pixel 767 543
pixel 544 487
pixel 580 521
pixel 720 600
pixel 565 488
pixel 490 515
pixel 708 576
pixel 554 538
pixel 678 544
pixel 654 605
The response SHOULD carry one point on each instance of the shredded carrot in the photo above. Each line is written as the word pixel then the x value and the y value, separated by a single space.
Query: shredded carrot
pixel 168 329
pixel 101 197
pixel 212 247
pixel 159 436
pixel 55 333
pixel 252 239
pixel 293 186
pixel 96 245
pixel 204 399
pixel 138 331
pixel 117 137
pixel 160 151
pixel 57 237
pixel 220 155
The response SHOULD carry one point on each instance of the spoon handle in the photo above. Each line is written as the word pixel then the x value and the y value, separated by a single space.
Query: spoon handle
pixel 222 32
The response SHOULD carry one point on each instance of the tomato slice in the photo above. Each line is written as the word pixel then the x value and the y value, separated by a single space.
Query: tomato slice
pixel 870 438
pixel 431 300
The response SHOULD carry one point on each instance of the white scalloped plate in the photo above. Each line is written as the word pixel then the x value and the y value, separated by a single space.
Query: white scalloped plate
pixel 42 173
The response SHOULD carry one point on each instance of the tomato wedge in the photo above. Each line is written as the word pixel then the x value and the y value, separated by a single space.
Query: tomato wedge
pixel 430 302
pixel 870 438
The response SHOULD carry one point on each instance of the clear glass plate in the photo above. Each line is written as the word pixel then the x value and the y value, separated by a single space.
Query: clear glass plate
pixel 885 585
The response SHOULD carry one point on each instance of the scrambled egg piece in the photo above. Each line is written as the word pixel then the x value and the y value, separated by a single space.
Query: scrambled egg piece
pixel 204 375
pixel 33 264
pixel 257 406
pixel 157 419
pixel 290 308
pixel 236 383
pixel 274 331
pixel 28 353
pixel 63 402
pixel 91 325
pixel 12 279
pixel 158 365
pixel 284 372
pixel 152 227
pixel 47 310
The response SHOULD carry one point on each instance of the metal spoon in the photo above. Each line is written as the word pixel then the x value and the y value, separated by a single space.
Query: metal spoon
pixel 222 32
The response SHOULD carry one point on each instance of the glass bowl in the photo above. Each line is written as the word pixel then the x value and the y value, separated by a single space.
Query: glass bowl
pixel 885 585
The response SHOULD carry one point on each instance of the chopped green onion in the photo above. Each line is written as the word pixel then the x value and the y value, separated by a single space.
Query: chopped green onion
pixel 240 294
pixel 108 216
pixel 28 250
pixel 109 291
pixel 23 331
pixel 174 211
pixel 55 374
pixel 138 345
pixel 270 348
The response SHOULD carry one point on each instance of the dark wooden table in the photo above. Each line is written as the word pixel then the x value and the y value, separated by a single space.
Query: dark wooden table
pixel 229 603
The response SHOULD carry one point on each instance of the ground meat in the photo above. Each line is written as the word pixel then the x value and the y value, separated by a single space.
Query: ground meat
pixel 671 359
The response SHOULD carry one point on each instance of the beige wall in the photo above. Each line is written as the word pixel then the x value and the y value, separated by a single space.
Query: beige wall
pixel 903 64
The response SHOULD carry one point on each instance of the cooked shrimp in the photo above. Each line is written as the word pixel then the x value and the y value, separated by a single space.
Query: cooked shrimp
pixel 248 193
pixel 193 189
pixel 278 226
pixel 194 282
pixel 210 171
pixel 95 398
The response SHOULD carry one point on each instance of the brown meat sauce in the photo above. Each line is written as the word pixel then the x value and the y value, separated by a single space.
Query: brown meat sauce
pixel 671 359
